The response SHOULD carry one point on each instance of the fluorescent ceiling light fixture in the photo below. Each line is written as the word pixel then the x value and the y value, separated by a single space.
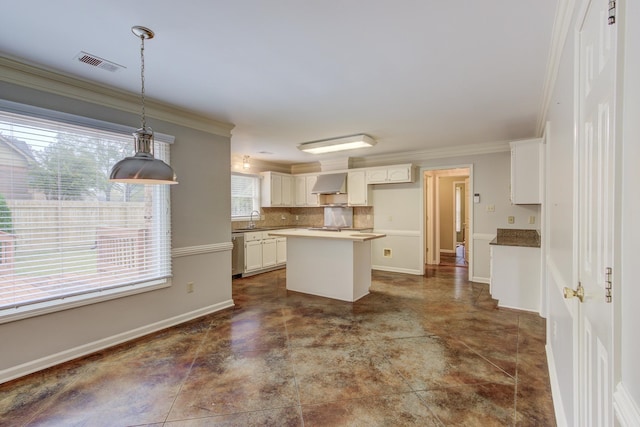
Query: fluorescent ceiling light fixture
pixel 350 142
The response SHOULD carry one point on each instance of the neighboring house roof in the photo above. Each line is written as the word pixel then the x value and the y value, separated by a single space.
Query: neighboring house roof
pixel 18 146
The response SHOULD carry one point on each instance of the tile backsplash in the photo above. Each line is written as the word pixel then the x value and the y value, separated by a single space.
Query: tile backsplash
pixel 305 217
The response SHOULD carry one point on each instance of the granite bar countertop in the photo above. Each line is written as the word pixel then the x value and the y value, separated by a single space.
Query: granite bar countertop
pixel 517 237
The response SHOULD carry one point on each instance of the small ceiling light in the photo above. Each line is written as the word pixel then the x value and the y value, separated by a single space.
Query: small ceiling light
pixel 143 168
pixel 330 145
pixel 245 162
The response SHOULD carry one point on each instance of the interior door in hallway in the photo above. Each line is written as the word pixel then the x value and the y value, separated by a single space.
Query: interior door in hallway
pixel 596 189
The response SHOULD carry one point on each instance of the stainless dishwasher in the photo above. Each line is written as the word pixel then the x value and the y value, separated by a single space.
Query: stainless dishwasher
pixel 237 254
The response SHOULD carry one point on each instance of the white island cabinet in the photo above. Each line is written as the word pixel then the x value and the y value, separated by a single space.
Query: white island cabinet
pixel 328 263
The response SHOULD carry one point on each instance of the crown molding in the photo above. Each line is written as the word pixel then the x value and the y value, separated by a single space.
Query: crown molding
pixel 561 25
pixel 19 73
pixel 435 153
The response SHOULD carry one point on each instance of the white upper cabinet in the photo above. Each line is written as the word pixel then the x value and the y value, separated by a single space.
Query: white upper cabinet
pixel 390 174
pixel 302 190
pixel 357 188
pixel 276 189
pixel 312 199
pixel 526 172
pixel 287 190
pixel 300 194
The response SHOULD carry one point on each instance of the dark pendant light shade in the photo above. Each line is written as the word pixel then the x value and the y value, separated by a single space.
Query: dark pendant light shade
pixel 142 168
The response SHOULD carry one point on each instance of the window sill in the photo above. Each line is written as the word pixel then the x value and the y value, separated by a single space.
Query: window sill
pixel 33 310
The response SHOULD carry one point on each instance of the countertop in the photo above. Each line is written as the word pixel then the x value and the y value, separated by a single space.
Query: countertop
pixel 517 237
pixel 294 227
pixel 352 235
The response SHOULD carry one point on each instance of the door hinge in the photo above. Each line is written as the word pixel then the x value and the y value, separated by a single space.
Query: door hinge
pixel 612 12
pixel 607 288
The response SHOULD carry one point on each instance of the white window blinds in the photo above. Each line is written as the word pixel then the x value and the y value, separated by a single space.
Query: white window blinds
pixel 65 229
pixel 245 195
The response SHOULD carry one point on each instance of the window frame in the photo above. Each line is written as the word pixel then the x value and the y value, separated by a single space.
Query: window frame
pixel 257 202
pixel 28 310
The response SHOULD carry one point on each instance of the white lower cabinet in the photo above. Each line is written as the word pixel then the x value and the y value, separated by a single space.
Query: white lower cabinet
pixel 252 256
pixel 269 255
pixel 263 252
pixel 515 277
pixel 281 250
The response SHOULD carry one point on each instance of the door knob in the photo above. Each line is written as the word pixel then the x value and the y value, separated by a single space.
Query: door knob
pixel 578 292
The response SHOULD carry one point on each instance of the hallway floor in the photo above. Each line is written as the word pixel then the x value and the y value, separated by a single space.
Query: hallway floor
pixel 417 351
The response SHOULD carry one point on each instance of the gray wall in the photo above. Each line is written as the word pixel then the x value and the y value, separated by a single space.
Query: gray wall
pixel 200 216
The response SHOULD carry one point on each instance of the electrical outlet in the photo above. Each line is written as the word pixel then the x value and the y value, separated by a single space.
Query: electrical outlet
pixel 491 208
pixel 532 219
pixel 297 217
pixel 511 219
pixel 189 287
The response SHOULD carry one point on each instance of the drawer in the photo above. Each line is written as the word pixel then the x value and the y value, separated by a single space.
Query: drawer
pixel 253 236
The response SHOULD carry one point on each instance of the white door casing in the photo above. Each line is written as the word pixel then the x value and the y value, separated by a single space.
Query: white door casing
pixel 467 220
pixel 596 163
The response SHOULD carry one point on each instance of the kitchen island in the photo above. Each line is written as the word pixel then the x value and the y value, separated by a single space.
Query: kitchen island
pixel 332 264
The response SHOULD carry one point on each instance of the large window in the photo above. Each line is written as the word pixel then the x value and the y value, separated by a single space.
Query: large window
pixel 68 235
pixel 245 195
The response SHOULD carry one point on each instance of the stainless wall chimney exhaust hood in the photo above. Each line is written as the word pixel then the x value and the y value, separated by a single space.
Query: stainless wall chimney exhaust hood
pixel 333 183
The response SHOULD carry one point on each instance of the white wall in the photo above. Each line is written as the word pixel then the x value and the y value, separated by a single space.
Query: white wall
pixel 397 213
pixel 404 204
pixel 558 237
pixel 200 219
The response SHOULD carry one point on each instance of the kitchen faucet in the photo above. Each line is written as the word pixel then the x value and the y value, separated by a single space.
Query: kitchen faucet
pixel 252 224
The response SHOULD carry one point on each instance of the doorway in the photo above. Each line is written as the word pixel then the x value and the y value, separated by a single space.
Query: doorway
pixel 447 220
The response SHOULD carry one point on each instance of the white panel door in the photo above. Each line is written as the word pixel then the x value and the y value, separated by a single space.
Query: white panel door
pixel 312 199
pixel 269 252
pixel 276 190
pixel 287 191
pixel 300 191
pixel 252 255
pixel 281 250
pixel 596 189
pixel 357 188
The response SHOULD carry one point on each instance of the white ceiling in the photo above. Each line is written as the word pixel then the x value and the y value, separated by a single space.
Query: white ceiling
pixel 413 74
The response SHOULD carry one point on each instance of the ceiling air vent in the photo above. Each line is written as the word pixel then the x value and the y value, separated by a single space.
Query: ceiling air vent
pixel 98 62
